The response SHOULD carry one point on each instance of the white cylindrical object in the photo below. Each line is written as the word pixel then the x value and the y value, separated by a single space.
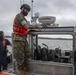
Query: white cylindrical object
pixel 47 19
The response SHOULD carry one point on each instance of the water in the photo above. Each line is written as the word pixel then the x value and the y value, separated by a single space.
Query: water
pixel 52 43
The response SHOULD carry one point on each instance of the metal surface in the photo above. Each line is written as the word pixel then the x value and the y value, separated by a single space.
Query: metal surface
pixel 49 67
pixel 54 30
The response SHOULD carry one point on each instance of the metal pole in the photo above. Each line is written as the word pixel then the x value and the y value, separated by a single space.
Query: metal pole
pixel 31 10
pixel 20 2
pixel 23 1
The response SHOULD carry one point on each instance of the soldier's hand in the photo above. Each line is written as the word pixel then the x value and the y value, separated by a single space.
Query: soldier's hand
pixel 39 27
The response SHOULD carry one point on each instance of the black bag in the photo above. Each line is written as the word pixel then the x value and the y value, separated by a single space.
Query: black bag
pixel 8 59
pixel 37 53
pixel 44 54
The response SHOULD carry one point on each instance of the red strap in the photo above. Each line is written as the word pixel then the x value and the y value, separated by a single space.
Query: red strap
pixel 3 42
pixel 2 73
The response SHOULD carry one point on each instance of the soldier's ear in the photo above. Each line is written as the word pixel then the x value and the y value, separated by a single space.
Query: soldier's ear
pixel 22 9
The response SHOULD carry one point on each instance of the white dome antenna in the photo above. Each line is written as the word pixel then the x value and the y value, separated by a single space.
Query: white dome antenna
pixel 47 19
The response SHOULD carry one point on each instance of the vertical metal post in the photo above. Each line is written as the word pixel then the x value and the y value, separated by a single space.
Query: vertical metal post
pixel 20 2
pixel 74 47
pixel 36 41
pixel 32 46
pixel 23 1
pixel 31 10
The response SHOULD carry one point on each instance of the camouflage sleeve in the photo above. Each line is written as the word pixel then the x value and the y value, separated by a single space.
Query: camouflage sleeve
pixel 20 19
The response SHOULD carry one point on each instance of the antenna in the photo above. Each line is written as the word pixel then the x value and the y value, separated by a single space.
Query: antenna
pixel 22 2
pixel 32 10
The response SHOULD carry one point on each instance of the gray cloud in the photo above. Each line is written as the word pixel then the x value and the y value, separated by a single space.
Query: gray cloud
pixel 63 10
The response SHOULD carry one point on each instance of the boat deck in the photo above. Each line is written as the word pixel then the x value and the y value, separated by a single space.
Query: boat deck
pixel 44 68
pixel 10 70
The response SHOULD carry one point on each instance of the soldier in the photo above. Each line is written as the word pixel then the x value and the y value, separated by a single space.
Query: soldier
pixel 21 48
pixel 3 51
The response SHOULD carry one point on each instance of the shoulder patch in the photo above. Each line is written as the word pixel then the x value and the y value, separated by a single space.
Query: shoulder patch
pixel 23 22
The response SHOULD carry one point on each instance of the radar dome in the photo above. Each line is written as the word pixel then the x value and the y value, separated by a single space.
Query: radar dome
pixel 47 19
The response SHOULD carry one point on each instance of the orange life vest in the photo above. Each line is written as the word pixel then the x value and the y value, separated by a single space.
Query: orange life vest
pixel 19 30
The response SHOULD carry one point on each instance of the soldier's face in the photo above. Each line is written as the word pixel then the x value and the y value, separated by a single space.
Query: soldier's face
pixel 25 12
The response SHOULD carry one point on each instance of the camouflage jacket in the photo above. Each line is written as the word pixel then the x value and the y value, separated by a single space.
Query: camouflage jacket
pixel 19 18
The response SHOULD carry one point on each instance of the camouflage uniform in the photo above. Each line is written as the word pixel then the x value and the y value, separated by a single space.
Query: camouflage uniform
pixel 20 46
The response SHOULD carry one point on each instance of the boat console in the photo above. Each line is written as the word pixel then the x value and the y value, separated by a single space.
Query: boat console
pixel 52 59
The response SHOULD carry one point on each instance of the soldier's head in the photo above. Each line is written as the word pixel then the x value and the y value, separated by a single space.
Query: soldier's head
pixel 1 35
pixel 25 8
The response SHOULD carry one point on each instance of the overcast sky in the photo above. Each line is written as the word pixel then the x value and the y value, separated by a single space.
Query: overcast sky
pixel 63 10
